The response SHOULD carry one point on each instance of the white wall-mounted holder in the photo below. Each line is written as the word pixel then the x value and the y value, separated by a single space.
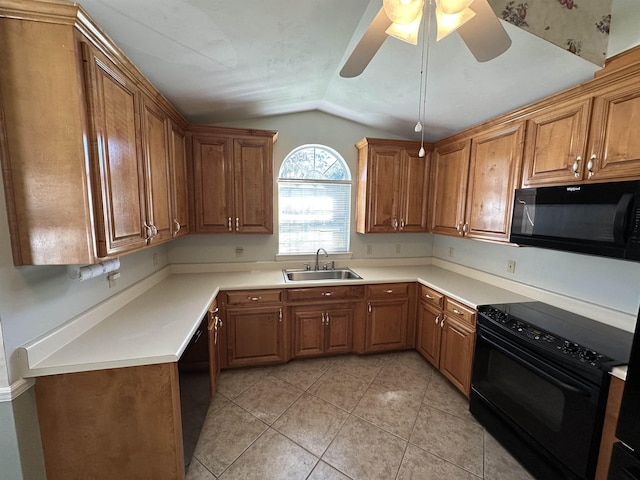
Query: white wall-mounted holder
pixel 82 273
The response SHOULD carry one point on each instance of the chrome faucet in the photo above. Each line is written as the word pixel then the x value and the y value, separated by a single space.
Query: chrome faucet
pixel 317 267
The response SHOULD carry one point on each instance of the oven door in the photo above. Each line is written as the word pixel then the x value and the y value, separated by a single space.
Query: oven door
pixel 557 411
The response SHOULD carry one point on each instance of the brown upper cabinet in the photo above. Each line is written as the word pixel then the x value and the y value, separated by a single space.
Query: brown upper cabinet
pixel 473 181
pixel 593 138
pixel 85 149
pixel 392 187
pixel 179 190
pixel 232 179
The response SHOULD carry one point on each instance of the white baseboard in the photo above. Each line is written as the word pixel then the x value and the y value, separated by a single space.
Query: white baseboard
pixel 17 388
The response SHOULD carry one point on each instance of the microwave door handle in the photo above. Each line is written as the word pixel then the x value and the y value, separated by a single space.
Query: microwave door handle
pixel 619 220
pixel 550 378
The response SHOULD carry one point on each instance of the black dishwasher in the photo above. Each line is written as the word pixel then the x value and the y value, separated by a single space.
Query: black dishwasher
pixel 195 390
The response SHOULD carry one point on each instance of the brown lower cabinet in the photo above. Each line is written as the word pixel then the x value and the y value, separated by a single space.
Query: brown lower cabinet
pixel 255 328
pixel 320 330
pixel 388 322
pixel 446 336
pixel 115 423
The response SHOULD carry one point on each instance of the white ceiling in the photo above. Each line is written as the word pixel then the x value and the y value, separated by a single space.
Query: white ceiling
pixel 223 60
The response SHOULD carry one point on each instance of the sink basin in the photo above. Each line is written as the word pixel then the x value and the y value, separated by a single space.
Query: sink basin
pixel 310 275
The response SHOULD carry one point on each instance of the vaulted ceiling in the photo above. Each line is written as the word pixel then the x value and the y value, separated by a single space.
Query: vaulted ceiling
pixel 220 61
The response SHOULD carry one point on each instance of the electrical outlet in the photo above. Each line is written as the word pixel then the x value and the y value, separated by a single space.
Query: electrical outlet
pixel 398 248
pixel 239 251
pixel 155 259
pixel 511 266
pixel 451 251
pixel 369 249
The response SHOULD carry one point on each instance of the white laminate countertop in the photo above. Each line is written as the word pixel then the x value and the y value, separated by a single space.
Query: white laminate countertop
pixel 156 326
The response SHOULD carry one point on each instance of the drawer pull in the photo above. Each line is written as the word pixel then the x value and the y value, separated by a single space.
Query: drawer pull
pixel 254 299
pixel 326 294
pixel 428 296
pixel 457 312
pixel 388 291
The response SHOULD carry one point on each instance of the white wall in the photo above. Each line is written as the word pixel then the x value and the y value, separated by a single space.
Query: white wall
pixel 295 130
pixel 624 32
pixel 603 281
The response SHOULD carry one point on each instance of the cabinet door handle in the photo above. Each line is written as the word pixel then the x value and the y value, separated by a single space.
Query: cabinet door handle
pixel 322 321
pixel 280 316
pixel 576 166
pixel 395 224
pixel 402 224
pixel 177 225
pixel 437 319
pixel 460 228
pixel 442 322
pixel 327 319
pixel 369 307
pixel 254 299
pixel 154 230
pixel 229 224
pixel 326 294
pixel 465 228
pixel 237 224
pixel 457 312
pixel 590 165
pixel 148 232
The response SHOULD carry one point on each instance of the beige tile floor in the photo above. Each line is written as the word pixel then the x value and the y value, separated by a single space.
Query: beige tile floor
pixel 388 416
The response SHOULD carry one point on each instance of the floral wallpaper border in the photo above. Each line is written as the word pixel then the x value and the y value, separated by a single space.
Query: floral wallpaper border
pixel 578 26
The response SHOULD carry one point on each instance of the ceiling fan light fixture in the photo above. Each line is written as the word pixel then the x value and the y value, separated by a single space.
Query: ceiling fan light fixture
pixel 453 7
pixel 403 11
pixel 450 23
pixel 406 32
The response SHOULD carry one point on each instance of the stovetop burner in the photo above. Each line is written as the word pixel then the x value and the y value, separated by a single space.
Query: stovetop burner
pixel 576 341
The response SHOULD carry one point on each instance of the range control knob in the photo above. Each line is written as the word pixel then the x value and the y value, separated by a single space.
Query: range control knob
pixel 570 347
pixel 589 355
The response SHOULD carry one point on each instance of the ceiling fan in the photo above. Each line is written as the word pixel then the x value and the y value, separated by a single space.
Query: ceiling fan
pixel 474 20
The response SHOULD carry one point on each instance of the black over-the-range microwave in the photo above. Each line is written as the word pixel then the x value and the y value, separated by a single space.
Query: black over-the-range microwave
pixel 596 218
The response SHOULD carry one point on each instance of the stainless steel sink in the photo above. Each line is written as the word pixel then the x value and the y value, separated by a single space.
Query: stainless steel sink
pixel 310 275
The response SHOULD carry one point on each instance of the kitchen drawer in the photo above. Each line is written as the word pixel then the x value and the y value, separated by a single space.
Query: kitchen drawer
pixel 460 311
pixel 254 297
pixel 354 292
pixel 388 290
pixel 432 296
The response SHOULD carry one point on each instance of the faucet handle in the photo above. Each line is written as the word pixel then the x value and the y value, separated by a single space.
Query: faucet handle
pixel 307 266
pixel 329 265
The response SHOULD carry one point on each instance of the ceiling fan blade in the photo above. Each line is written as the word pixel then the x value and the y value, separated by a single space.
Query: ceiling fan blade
pixel 484 35
pixel 367 47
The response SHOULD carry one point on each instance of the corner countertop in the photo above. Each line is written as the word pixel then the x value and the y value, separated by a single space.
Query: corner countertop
pixel 156 325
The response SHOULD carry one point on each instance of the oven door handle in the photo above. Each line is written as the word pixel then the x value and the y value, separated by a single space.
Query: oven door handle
pixel 550 378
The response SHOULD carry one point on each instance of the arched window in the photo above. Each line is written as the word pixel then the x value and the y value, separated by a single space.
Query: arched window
pixel 314 197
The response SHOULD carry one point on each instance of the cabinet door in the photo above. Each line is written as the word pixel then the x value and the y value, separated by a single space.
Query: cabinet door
pixel 255 336
pixel 415 196
pixel 120 204
pixel 308 331
pixel 179 192
pixel 456 356
pixel 429 333
pixel 386 325
pixel 339 329
pixel 213 183
pixel 494 174
pixel 615 133
pixel 556 139
pixel 383 189
pixel 450 169
pixel 253 185
pixel 157 178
